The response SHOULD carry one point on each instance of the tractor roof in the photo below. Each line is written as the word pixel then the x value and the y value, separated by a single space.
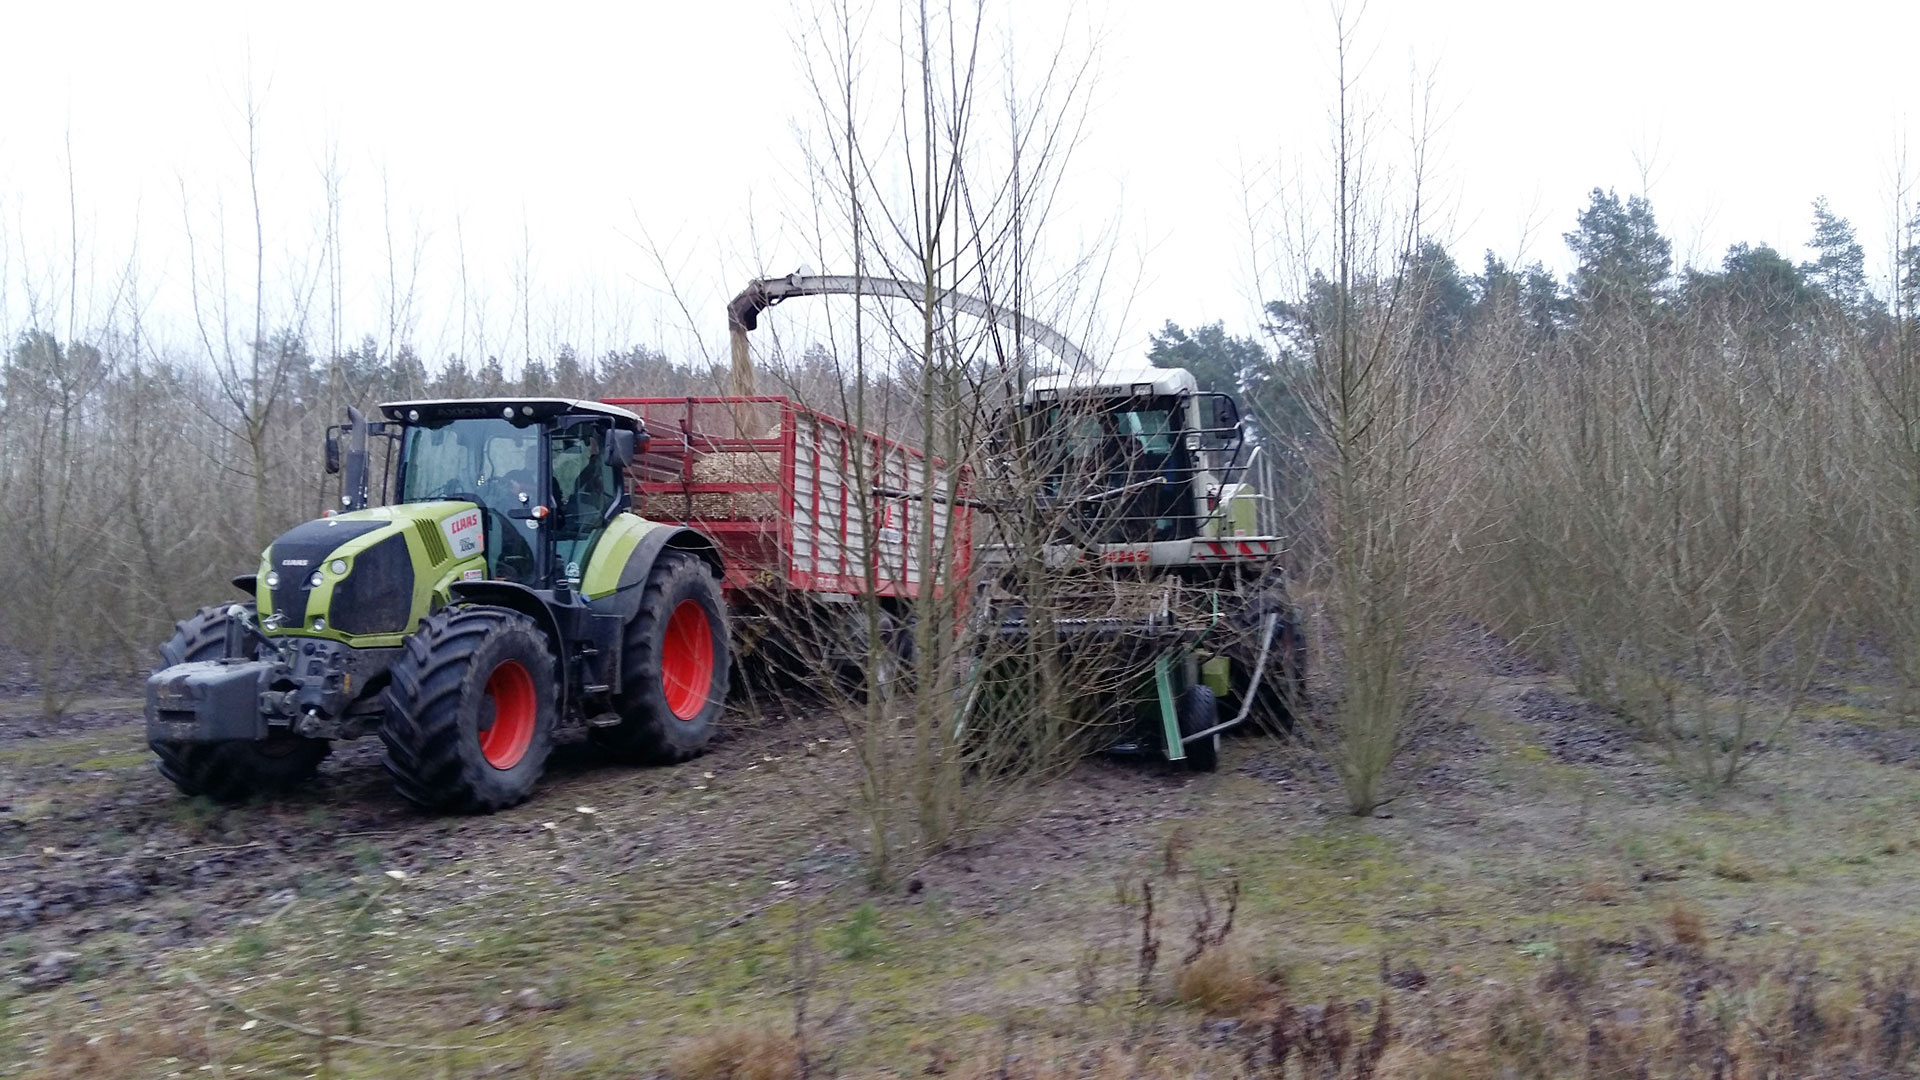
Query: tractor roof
pixel 1114 381
pixel 539 408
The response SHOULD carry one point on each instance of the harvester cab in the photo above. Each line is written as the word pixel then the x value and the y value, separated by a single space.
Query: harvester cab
pixel 501 598
pixel 1157 571
pixel 1139 457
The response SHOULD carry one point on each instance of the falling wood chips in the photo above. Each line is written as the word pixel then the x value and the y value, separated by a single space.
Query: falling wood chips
pixel 742 467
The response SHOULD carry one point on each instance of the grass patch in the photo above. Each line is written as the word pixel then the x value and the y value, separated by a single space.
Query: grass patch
pixel 738 1051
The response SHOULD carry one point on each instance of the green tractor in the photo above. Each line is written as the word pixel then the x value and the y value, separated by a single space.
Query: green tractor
pixel 500 600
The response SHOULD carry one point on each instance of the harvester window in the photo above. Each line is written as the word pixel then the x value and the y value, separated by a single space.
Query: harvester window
pixel 1122 463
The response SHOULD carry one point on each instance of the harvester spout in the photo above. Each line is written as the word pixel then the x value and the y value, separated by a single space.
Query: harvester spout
pixel 743 313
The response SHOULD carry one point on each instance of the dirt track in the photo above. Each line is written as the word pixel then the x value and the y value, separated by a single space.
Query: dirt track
pixel 621 909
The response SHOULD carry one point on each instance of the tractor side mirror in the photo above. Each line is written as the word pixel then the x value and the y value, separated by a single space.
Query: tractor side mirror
pixel 620 449
pixel 333 450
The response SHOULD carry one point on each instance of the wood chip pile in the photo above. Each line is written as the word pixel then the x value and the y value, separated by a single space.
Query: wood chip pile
pixel 738 467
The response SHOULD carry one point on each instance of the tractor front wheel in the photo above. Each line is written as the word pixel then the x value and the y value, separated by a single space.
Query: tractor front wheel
pixel 470 710
pixel 675 667
pixel 229 772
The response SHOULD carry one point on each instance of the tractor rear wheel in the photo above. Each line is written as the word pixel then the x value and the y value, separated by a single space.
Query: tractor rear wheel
pixel 470 710
pixel 229 772
pixel 675 666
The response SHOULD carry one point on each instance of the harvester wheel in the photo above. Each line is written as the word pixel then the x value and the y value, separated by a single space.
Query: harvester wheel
pixel 1282 692
pixel 470 710
pixel 675 667
pixel 1198 712
pixel 229 772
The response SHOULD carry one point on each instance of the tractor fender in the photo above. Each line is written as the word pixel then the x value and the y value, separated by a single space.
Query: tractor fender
pixel 512 594
pixel 624 601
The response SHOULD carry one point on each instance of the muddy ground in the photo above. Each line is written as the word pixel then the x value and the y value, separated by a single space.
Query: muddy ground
pixel 622 912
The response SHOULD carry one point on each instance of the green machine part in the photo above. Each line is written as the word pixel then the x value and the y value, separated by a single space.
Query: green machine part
pixel 1169 715
pixel 385 568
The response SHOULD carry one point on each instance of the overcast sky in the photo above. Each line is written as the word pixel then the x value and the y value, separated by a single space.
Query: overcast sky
pixel 563 135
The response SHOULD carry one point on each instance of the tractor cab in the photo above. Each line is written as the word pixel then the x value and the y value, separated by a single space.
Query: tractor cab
pixel 1132 457
pixel 543 475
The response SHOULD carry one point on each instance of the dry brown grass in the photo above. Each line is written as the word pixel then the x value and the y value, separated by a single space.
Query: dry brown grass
pixel 82 1057
pixel 737 1052
pixel 1060 1061
pixel 1599 890
pixel 1222 982
pixel 1733 866
pixel 1686 924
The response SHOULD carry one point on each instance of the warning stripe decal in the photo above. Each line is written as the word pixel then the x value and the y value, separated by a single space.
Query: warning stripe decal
pixel 1240 549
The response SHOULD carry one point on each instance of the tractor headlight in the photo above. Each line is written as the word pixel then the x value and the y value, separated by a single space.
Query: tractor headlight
pixel 314 579
pixel 319 623
pixel 339 567
pixel 273 579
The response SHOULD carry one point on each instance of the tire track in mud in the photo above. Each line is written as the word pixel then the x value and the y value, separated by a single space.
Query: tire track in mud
pixel 90 850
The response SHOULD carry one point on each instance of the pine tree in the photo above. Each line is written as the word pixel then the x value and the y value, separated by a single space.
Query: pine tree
pixel 1623 259
pixel 1839 266
pixel 1218 360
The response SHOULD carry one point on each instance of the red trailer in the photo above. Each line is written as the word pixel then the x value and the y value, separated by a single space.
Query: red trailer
pixel 799 501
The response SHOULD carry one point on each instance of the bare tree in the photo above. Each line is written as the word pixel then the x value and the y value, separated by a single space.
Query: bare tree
pixel 1378 452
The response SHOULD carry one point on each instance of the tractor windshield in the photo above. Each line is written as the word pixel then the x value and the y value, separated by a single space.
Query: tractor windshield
pixel 493 463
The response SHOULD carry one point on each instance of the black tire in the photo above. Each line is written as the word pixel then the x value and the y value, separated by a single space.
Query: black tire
pixel 1282 692
pixel 229 772
pixel 895 658
pixel 470 710
pixel 664 662
pixel 1198 711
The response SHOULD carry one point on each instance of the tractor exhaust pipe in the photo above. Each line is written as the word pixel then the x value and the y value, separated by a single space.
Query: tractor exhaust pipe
pixel 353 492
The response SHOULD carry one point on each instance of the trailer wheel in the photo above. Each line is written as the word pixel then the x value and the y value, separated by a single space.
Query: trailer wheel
pixel 470 710
pixel 229 772
pixel 894 673
pixel 1198 712
pixel 675 668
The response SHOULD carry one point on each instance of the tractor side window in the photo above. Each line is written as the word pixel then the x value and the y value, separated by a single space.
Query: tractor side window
pixel 584 490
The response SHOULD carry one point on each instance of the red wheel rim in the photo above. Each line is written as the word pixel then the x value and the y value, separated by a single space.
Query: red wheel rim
pixel 686 660
pixel 515 708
